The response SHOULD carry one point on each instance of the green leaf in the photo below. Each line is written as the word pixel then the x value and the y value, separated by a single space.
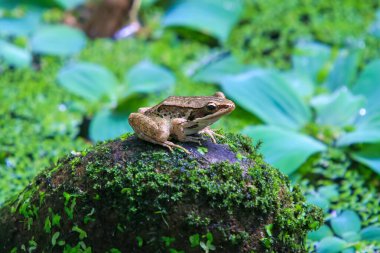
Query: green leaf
pixel 13 55
pixel 69 4
pixel 310 58
pixel 54 238
pixel 338 109
pixel 20 26
pixel 370 156
pixel 301 83
pixel 88 80
pixel 371 233
pixel 267 95
pixel 329 191
pixel 60 40
pixel 375 26
pixel 331 245
pixel 285 150
pixel 194 240
pixel 146 77
pixel 347 221
pixel 368 86
pixel 344 70
pixel 367 131
pixel 318 200
pixel 322 232
pixel 107 124
pixel 213 17
pixel 215 72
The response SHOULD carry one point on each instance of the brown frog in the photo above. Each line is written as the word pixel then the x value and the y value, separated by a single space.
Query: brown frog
pixel 180 118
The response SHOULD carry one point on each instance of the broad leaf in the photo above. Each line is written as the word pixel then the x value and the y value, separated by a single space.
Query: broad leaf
pixel 70 4
pixel 344 70
pixel 310 58
pixel 370 156
pixel 301 83
pixel 322 232
pixel 20 26
pixel 286 150
pixel 367 130
pixel 266 94
pixel 60 40
pixel 215 72
pixel 318 200
pixel 338 109
pixel 13 55
pixel 371 234
pixel 88 80
pixel 329 191
pixel 213 17
pixel 146 77
pixel 368 85
pixel 107 124
pixel 331 245
pixel 347 222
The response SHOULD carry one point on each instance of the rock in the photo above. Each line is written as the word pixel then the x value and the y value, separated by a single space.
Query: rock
pixel 128 195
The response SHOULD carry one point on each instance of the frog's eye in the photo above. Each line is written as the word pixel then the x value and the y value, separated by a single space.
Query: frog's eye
pixel 211 107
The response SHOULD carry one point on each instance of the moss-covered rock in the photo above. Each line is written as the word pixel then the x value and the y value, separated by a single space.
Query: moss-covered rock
pixel 128 195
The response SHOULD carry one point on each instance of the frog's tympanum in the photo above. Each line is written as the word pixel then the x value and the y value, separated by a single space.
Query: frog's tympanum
pixel 180 118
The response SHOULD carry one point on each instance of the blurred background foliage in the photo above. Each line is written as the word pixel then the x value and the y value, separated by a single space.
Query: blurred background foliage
pixel 303 73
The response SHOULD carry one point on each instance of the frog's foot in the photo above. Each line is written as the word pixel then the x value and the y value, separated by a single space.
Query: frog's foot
pixel 211 133
pixel 170 146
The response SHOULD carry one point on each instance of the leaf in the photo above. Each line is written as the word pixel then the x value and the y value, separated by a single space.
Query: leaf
pixel 69 4
pixel 344 70
pixel 213 17
pixel 375 26
pixel 370 156
pixel 309 58
pixel 371 233
pixel 322 232
pixel 60 40
pixel 215 72
pixel 54 238
pixel 331 245
pixel 338 109
pixel 146 77
pixel 88 80
pixel 318 200
pixel 301 83
pixel 23 26
pixel 285 150
pixel 329 191
pixel 267 95
pixel 368 86
pixel 367 131
pixel 13 55
pixel 347 222
pixel 107 124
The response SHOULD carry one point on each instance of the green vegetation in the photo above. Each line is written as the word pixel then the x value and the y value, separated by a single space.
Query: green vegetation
pixel 309 69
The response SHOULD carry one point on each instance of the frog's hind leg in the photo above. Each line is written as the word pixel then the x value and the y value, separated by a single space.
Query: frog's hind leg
pixel 152 131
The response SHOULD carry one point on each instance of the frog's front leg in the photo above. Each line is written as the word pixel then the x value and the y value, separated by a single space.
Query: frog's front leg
pixel 154 131
pixel 178 131
pixel 210 133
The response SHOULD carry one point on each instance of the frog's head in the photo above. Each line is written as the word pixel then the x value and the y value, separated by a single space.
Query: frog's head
pixel 209 109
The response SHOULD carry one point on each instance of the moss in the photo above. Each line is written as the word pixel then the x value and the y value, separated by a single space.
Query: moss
pixel 134 196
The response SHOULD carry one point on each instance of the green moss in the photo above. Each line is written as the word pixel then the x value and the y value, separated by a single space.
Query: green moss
pixel 152 193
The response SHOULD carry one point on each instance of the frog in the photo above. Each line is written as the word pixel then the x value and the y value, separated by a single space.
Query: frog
pixel 181 118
